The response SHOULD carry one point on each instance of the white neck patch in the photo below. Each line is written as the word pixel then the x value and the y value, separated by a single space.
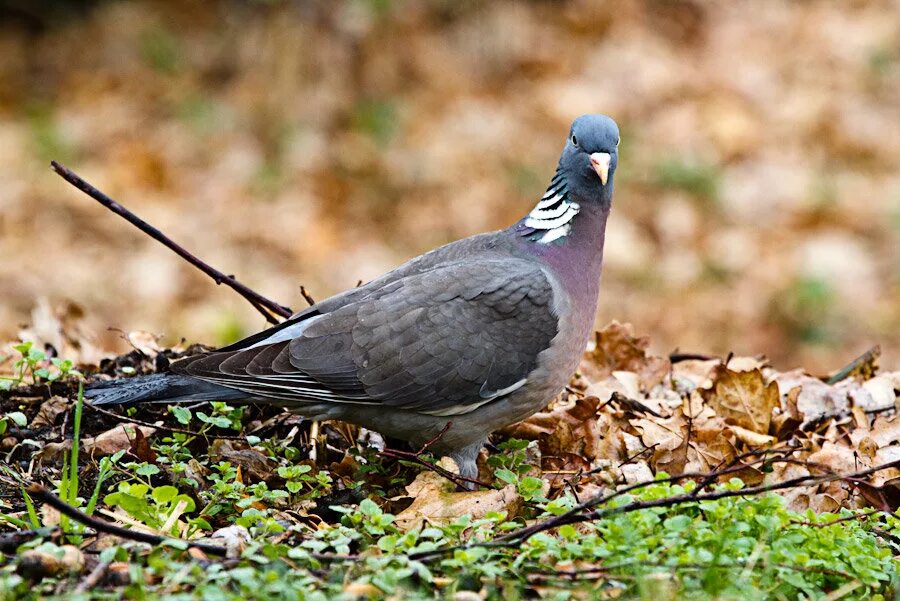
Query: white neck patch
pixel 554 212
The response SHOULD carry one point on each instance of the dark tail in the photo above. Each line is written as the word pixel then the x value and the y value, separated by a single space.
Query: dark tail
pixel 171 388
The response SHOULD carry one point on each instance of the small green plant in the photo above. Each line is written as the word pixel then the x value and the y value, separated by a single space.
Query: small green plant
pixel 300 478
pixel 68 486
pixel 34 362
pixel 511 467
pixel 157 507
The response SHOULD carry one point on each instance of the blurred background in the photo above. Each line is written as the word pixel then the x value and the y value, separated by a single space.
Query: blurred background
pixel 757 205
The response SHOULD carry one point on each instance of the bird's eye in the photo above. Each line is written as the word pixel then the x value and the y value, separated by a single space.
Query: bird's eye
pixel 574 140
pixel 617 142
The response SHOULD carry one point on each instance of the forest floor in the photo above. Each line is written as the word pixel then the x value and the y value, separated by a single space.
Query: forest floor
pixel 648 478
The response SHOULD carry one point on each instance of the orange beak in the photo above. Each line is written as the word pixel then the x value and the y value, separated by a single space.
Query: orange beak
pixel 600 163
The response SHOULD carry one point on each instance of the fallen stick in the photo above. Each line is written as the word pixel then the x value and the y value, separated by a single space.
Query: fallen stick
pixel 268 308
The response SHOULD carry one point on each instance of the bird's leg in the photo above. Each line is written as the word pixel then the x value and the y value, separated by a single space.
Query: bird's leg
pixel 465 459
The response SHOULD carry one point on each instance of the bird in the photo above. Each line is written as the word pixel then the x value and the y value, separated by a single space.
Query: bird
pixel 445 349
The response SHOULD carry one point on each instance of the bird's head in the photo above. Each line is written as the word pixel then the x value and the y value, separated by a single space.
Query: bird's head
pixel 589 159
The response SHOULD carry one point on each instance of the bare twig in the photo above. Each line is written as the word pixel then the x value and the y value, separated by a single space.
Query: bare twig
pixel 10 541
pixel 268 308
pixel 42 494
pixel 307 296
pixel 888 536
pixel 93 579
pixel 434 439
pixel 597 572
pixel 870 356
pixel 676 357
pixel 849 518
pixel 413 458
pixel 416 457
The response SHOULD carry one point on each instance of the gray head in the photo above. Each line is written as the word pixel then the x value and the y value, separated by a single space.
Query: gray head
pixel 589 159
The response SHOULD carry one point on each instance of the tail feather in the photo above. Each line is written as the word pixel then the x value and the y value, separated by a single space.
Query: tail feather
pixel 170 388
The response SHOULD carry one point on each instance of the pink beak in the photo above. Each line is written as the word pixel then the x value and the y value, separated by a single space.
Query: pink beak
pixel 600 163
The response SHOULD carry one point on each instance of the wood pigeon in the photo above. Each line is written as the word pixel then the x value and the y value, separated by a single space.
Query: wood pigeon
pixel 478 334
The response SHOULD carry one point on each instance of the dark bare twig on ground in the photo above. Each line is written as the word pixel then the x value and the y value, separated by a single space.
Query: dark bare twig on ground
pixel 596 572
pixel 849 518
pixel 416 457
pixel 10 541
pixel 888 536
pixel 434 439
pixel 736 465
pixel 268 308
pixel 42 494
pixel 93 579
pixel 870 355
pixel 676 357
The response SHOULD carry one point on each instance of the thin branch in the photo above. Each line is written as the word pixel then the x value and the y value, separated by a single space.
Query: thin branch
pixel 307 296
pixel 10 541
pixel 849 518
pixel 870 356
pixel 262 304
pixel 413 458
pixel 416 457
pixel 42 494
pixel 93 579
pixel 676 357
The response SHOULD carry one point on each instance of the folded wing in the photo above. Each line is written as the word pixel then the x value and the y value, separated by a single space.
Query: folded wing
pixel 441 342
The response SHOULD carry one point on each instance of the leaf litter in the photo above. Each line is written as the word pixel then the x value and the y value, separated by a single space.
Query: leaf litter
pixel 627 416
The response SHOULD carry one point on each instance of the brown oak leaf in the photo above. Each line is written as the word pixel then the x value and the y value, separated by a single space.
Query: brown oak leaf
pixel 618 349
pixel 742 398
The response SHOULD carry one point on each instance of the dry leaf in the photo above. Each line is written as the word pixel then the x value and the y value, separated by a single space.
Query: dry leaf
pixel 616 348
pixel 234 538
pixel 112 441
pixel 255 466
pixel 750 438
pixel 145 342
pixel 815 398
pixel 436 500
pixel 570 427
pixel 49 411
pixel 636 472
pixel 885 430
pixel 743 398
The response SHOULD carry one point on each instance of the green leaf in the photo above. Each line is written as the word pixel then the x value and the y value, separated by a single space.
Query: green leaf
pixel 678 523
pixel 506 475
pixel 147 469
pixel 164 494
pixel 369 507
pixel 18 418
pixel 182 414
